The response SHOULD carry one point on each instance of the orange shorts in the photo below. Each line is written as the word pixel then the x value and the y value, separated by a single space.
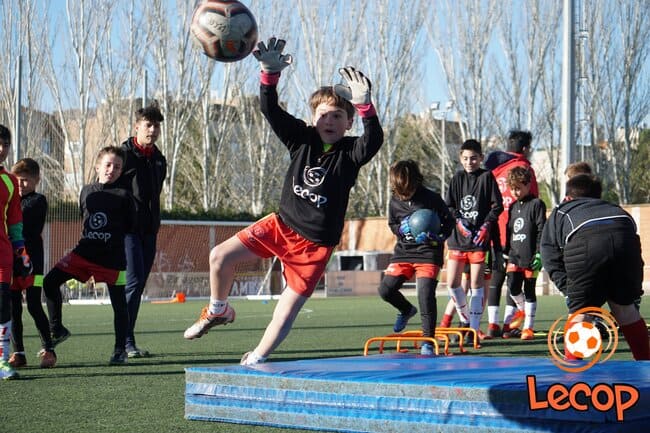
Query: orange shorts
pixel 472 257
pixel 82 269
pixel 303 261
pixel 19 284
pixel 528 273
pixel 421 270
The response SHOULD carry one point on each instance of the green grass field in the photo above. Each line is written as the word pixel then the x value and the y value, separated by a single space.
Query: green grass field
pixel 84 394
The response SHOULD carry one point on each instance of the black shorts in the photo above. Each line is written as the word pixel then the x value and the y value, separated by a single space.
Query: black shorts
pixel 603 263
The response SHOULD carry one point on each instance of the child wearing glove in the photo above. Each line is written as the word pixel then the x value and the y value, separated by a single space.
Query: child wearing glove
pixel 324 165
pixel 475 202
pixel 415 254
pixel 523 235
pixel 14 258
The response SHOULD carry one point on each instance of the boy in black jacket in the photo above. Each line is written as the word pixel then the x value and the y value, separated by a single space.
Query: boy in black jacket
pixel 323 168
pixel 523 233
pixel 144 172
pixel 413 256
pixel 592 252
pixel 108 214
pixel 475 202
pixel 34 207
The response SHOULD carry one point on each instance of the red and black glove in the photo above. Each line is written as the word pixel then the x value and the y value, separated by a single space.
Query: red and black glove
pixel 22 263
pixel 482 237
pixel 462 225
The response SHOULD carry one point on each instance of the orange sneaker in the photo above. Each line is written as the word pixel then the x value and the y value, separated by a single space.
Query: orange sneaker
pixel 527 334
pixel 48 358
pixel 207 321
pixel 17 360
pixel 517 319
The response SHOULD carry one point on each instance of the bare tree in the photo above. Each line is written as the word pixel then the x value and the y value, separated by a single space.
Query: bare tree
pixel 461 34
pixel 176 63
pixel 87 27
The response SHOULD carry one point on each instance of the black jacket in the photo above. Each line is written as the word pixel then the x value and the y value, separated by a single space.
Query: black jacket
pixel 317 184
pixel 407 250
pixel 567 219
pixel 524 230
pixel 143 177
pixel 474 196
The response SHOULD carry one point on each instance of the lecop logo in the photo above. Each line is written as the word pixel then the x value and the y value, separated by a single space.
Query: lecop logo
pixel 587 334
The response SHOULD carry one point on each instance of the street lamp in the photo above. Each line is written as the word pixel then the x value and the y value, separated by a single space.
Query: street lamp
pixel 435 107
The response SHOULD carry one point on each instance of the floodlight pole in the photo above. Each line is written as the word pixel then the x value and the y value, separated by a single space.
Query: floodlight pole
pixel 18 118
pixel 567 134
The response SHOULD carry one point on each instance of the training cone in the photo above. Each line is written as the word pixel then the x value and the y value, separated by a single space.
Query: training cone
pixel 177 298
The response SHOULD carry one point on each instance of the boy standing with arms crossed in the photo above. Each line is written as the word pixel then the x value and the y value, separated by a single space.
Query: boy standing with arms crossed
pixel 475 202
pixel 34 208
pixel 13 256
pixel 323 169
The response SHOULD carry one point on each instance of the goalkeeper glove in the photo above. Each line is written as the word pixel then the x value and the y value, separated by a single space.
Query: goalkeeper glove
pixel 536 264
pixel 433 239
pixel 405 230
pixel 483 235
pixel 462 225
pixel 22 263
pixel 357 90
pixel 270 56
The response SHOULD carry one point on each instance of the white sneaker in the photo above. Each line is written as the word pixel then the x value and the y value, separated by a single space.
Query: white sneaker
pixel 207 321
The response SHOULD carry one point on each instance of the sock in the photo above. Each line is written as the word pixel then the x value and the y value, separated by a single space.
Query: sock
pixel 493 314
pixel 530 308
pixel 509 313
pixel 217 306
pixel 519 299
pixel 476 307
pixel 5 337
pixel 446 321
pixel 460 300
pixel 636 335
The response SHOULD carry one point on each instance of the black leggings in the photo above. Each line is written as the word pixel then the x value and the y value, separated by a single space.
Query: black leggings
pixel 51 286
pixel 389 290
pixel 494 293
pixel 33 296
pixel 516 280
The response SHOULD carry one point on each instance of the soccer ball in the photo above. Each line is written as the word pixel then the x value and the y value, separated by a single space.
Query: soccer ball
pixel 224 30
pixel 583 339
pixel 424 221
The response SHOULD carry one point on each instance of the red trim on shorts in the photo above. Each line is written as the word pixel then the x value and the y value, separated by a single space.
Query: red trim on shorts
pixel 19 284
pixel 528 273
pixel 420 270
pixel 303 261
pixel 82 269
pixel 472 257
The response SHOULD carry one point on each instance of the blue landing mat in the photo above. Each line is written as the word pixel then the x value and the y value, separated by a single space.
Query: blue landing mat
pixel 406 392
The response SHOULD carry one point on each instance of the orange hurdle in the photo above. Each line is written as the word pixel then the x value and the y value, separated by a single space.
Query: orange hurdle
pixel 416 336
pixel 398 338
